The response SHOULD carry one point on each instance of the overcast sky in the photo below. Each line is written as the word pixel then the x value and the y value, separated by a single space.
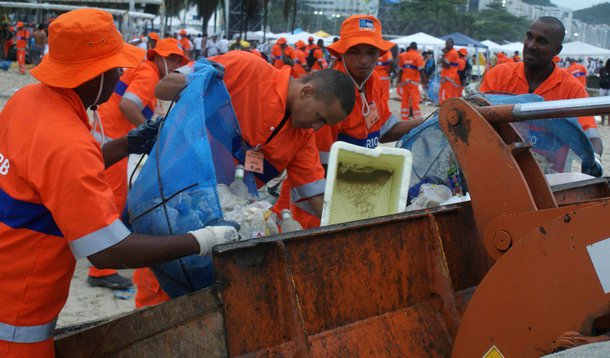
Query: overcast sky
pixel 577 4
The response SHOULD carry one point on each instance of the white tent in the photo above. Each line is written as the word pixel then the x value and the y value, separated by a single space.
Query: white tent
pixel 577 48
pixel 422 39
pixel 510 48
pixel 492 46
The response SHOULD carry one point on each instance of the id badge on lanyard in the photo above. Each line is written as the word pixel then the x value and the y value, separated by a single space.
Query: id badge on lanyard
pixel 373 116
pixel 254 160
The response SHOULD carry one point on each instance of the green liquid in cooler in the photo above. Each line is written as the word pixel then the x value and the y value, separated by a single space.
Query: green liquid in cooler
pixel 360 193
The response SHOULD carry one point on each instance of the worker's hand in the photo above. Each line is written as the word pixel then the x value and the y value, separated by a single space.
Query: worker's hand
pixel 140 140
pixel 210 236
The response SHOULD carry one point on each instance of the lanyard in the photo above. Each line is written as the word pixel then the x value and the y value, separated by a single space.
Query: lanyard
pixel 278 128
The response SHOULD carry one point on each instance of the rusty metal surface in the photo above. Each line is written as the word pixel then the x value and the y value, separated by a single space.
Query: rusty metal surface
pixel 189 326
pixel 380 287
pixel 581 191
pixel 544 286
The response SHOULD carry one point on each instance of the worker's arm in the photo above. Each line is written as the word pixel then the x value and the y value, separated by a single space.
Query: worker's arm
pixel 139 140
pixel 131 111
pixel 317 203
pixel 114 151
pixel 169 86
pixel 399 130
pixel 142 250
pixel 138 250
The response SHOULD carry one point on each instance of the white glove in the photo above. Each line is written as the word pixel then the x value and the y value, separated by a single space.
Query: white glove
pixel 210 236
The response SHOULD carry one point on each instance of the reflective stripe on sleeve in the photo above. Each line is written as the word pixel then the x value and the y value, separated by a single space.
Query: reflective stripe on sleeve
pixel 304 205
pixel 388 125
pixel 27 334
pixel 99 240
pixel 135 99
pixel 324 157
pixel 593 133
pixel 307 191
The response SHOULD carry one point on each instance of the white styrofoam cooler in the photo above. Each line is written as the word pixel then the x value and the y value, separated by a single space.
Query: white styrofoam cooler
pixel 362 183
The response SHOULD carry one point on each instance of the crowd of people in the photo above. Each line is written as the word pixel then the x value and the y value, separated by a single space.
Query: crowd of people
pixel 63 178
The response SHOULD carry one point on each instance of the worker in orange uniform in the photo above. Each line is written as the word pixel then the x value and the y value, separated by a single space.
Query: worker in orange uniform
pixel 577 71
pixel 277 115
pixel 411 66
pixel 371 121
pixel 449 77
pixel 538 73
pixel 316 59
pixel 56 206
pixel 281 53
pixel 383 68
pixel 185 43
pixel 462 53
pixel 153 38
pixel 310 45
pixel 298 57
pixel 516 57
pixel 133 103
pixel 22 37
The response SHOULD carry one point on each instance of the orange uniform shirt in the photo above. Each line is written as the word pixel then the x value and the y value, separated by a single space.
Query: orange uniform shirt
pixel 259 93
pixel 185 44
pixel 21 38
pixel 320 63
pixel 138 85
pixel 450 58
pixel 410 63
pixel 55 207
pixel 579 72
pixel 559 85
pixel 277 53
pixel 300 63
pixel 383 66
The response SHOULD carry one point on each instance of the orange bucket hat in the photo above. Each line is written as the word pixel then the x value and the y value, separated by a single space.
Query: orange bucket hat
pixel 360 30
pixel 19 24
pixel 83 44
pixel 281 41
pixel 153 36
pixel 299 44
pixel 165 48
pixel 463 52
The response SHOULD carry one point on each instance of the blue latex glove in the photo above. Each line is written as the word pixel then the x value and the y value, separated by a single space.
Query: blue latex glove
pixel 141 140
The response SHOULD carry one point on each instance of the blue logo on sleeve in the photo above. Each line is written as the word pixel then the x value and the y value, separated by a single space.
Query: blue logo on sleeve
pixel 367 24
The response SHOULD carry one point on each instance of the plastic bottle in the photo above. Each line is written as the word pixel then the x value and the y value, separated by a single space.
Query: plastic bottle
pixel 187 219
pixel 289 224
pixel 238 187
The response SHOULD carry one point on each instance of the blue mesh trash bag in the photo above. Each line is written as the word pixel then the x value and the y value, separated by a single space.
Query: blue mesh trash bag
pixel 176 189
pixel 559 146
pixel 434 87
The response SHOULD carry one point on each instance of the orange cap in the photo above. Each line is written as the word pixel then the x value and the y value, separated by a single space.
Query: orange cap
pixel 19 24
pixel 83 44
pixel 556 59
pixel 360 30
pixel 165 48
pixel 153 36
pixel 463 52
pixel 310 38
pixel 300 44
pixel 281 41
pixel 183 32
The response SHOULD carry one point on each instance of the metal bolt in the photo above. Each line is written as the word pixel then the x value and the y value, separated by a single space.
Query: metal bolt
pixel 454 117
pixel 502 240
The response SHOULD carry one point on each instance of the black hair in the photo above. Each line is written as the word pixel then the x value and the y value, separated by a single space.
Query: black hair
pixel 331 85
pixel 550 20
pixel 608 65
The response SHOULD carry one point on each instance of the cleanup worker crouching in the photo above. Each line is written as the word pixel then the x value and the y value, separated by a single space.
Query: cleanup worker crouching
pixel 370 122
pixel 278 115
pixel 56 205
pixel 133 103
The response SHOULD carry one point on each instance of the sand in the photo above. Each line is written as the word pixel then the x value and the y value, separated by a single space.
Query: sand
pixel 86 303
